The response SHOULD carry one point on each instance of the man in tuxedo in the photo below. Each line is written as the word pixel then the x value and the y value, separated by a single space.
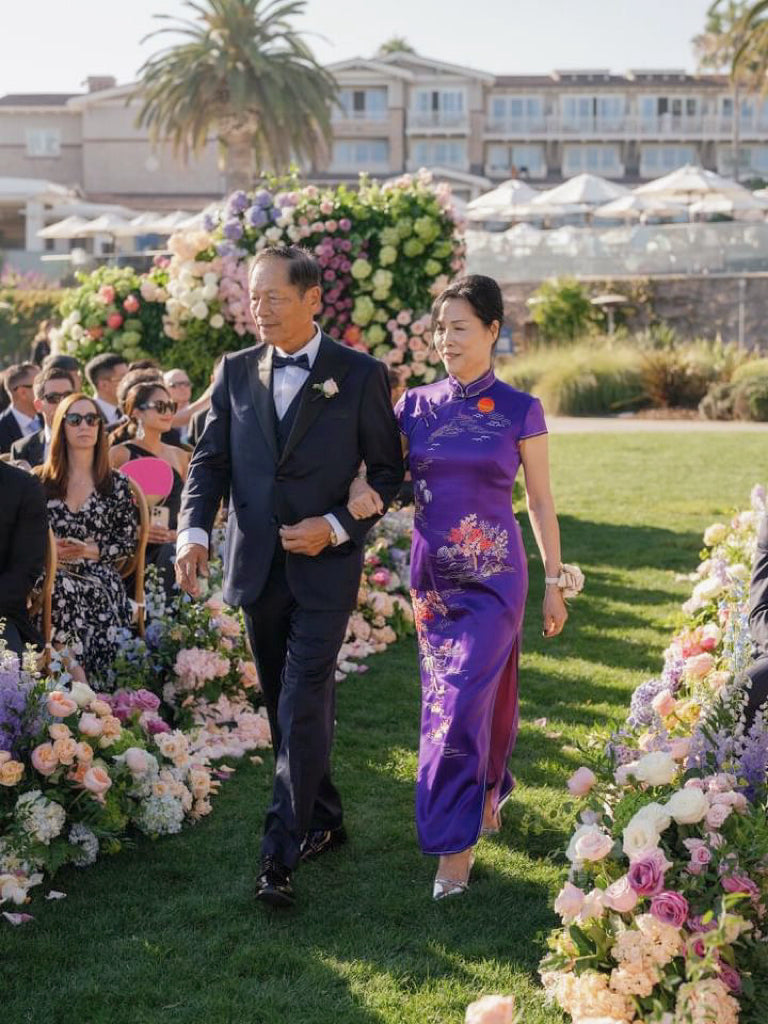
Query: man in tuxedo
pixel 68 363
pixel 20 419
pixel 50 387
pixel 758 626
pixel 291 420
pixel 104 373
pixel 23 538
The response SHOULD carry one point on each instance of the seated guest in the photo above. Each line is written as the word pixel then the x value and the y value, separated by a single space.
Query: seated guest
pixel 104 373
pixel 137 375
pixel 758 625
pixel 68 363
pixel 20 419
pixel 180 388
pixel 51 386
pixel 95 521
pixel 150 409
pixel 23 537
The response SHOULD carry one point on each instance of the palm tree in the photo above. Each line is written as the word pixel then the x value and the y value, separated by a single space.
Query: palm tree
pixel 395 44
pixel 243 74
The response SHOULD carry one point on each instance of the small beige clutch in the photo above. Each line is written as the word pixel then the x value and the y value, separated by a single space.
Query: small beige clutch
pixel 571 580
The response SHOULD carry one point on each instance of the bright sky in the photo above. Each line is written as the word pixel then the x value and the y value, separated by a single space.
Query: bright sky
pixel 51 45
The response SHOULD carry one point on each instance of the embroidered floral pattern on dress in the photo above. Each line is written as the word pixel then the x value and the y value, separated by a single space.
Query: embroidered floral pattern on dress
pixel 482 426
pixel 477 550
pixel 438 659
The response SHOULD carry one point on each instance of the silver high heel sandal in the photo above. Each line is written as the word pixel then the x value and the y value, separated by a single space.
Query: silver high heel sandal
pixel 444 887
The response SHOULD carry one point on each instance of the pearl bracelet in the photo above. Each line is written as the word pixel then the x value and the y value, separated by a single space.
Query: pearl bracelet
pixel 552 581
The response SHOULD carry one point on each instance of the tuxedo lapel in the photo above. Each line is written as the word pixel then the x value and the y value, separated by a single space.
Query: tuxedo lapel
pixel 326 365
pixel 259 379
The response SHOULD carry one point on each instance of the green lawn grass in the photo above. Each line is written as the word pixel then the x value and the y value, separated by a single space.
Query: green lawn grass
pixel 169 932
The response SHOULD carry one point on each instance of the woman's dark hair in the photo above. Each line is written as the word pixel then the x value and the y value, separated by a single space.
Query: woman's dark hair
pixel 481 292
pixel 54 473
pixel 303 268
pixel 135 396
pixel 134 377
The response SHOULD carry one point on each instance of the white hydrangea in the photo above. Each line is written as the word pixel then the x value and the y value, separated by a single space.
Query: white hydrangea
pixel 80 835
pixel 160 815
pixel 42 819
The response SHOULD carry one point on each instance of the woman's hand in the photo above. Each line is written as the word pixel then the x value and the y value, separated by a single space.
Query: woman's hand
pixel 364 502
pixel 160 535
pixel 68 550
pixel 555 612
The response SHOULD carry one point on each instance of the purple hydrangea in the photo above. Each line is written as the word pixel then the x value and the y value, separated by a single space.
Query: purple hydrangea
pixel 238 202
pixel 233 230
pixel 13 703
pixel 263 198
pixel 154 634
pixel 210 222
pixel 256 216
pixel 641 712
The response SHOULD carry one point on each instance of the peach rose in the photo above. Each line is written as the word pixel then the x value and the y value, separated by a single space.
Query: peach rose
pixel 11 772
pixel 5 755
pixel 664 703
pixel 84 752
pixel 97 781
pixel 100 708
pixel 581 782
pixel 59 705
pixel 699 665
pixel 65 750
pixel 78 774
pixel 90 725
pixel 59 731
pixel 44 759
pixel 491 1010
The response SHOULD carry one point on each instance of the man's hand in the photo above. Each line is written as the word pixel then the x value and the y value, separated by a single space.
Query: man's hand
pixel 191 563
pixel 309 537
pixel 364 502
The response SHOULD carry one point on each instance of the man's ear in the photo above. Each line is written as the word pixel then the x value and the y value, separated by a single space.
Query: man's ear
pixel 38 404
pixel 315 298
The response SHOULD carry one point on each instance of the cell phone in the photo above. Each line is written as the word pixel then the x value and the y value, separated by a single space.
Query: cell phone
pixel 160 516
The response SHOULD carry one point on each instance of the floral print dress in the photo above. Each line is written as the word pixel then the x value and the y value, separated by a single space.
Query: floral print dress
pixel 90 603
pixel 469 583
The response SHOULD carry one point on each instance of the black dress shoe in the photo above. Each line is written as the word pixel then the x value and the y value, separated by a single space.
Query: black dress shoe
pixel 273 886
pixel 322 840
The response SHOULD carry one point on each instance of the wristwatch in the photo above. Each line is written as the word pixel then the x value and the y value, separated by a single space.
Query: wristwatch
pixel 334 541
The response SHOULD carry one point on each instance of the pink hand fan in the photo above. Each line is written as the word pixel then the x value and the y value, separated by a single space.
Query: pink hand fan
pixel 153 475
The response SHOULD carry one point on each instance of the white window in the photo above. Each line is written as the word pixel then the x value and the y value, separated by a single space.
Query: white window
pixel 658 160
pixel 360 154
pixel 530 160
pixel 362 104
pixel 499 158
pixel 524 110
pixel 578 111
pixel 439 106
pixel 753 161
pixel 610 110
pixel 43 142
pixel 598 159
pixel 439 153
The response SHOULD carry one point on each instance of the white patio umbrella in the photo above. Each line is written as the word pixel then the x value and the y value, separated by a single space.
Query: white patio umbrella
pixel 689 183
pixel 108 224
pixel 171 222
pixel 586 190
pixel 143 224
pixel 70 227
pixel 636 207
pixel 524 235
pixel 501 202
pixel 747 205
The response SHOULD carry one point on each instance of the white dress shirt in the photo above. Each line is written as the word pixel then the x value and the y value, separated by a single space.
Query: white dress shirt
pixel 286 384
pixel 27 424
pixel 111 412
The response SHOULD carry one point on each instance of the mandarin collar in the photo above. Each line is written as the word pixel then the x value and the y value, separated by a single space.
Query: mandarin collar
pixel 476 387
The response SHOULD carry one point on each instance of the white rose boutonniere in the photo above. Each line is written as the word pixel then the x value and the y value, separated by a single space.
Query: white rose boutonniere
pixel 328 389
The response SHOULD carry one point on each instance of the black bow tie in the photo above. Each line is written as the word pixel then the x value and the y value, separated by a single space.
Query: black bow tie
pixel 279 362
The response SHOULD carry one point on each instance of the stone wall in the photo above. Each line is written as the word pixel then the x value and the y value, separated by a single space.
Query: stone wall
pixel 696 307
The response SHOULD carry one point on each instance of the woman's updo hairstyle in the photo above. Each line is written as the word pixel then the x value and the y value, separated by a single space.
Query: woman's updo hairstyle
pixel 136 395
pixel 481 292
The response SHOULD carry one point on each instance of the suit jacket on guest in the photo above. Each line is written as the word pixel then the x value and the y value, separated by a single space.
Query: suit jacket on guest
pixel 10 430
pixel 311 476
pixel 31 448
pixel 23 538
pixel 758 593
pixel 196 425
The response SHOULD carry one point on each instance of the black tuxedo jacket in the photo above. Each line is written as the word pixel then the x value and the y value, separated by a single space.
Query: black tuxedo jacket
pixel 758 593
pixel 10 430
pixel 31 449
pixel 196 424
pixel 23 538
pixel 329 439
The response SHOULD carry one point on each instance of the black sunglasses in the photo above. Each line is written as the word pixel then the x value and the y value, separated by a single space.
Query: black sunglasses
pixel 160 406
pixel 56 396
pixel 91 419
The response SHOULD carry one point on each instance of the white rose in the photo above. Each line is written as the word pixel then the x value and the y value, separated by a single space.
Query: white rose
pixel 656 815
pixel 714 534
pixel 274 234
pixel 199 311
pixel 739 571
pixel 209 292
pixel 707 590
pixel 640 837
pixel 81 694
pixel 77 332
pixel 137 760
pixel 211 278
pixel 687 806
pixel 656 769
pixel 217 321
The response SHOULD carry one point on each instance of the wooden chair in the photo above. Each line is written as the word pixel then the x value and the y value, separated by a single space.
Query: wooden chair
pixel 41 601
pixel 6 457
pixel 133 565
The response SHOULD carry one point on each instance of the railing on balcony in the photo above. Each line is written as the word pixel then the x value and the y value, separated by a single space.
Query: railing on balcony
pixel 635 127
pixel 359 115
pixel 438 119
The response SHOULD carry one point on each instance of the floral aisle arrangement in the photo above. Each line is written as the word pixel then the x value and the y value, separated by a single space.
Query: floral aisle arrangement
pixel 110 313
pixel 664 911
pixel 384 250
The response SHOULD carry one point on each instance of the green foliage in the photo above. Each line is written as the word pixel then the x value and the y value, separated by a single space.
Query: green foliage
pixel 21 312
pixel 676 378
pixel 562 310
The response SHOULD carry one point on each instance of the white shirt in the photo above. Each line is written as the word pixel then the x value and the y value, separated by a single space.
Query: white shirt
pixel 111 412
pixel 286 384
pixel 27 424
pixel 47 440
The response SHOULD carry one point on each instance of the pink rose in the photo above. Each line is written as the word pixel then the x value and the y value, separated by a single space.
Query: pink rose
pixel 581 782
pixel 131 304
pixel 145 700
pixel 491 1010
pixel 717 815
pixel 700 855
pixel 137 761
pixel 670 908
pixel 97 781
pixel 90 725
pixel 59 705
pixel 569 902
pixel 680 748
pixel 44 759
pixel 646 876
pixel 620 896
pixel 381 577
pixel 107 294
pixel 699 666
pixel 664 703
pixel 739 883
pixel 115 321
pixel 152 724
pixel 594 845
pixel 730 978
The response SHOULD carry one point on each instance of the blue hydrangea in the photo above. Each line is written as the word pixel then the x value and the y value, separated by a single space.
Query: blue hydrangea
pixel 256 216
pixel 263 198
pixel 233 230
pixel 238 202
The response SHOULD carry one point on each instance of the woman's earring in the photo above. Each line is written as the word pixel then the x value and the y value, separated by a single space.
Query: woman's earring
pixel 140 430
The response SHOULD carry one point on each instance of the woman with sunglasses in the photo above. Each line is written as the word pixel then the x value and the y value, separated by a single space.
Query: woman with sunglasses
pixel 150 411
pixel 95 522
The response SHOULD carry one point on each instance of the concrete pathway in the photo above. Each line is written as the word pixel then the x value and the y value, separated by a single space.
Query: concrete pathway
pixel 634 424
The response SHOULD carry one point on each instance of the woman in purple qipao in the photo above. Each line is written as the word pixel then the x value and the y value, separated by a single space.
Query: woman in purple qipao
pixel 466 438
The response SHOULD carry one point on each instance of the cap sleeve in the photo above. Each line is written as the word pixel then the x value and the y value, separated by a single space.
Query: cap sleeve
pixel 534 422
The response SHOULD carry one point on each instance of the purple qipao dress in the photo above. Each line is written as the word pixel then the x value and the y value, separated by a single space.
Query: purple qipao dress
pixel 469 581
